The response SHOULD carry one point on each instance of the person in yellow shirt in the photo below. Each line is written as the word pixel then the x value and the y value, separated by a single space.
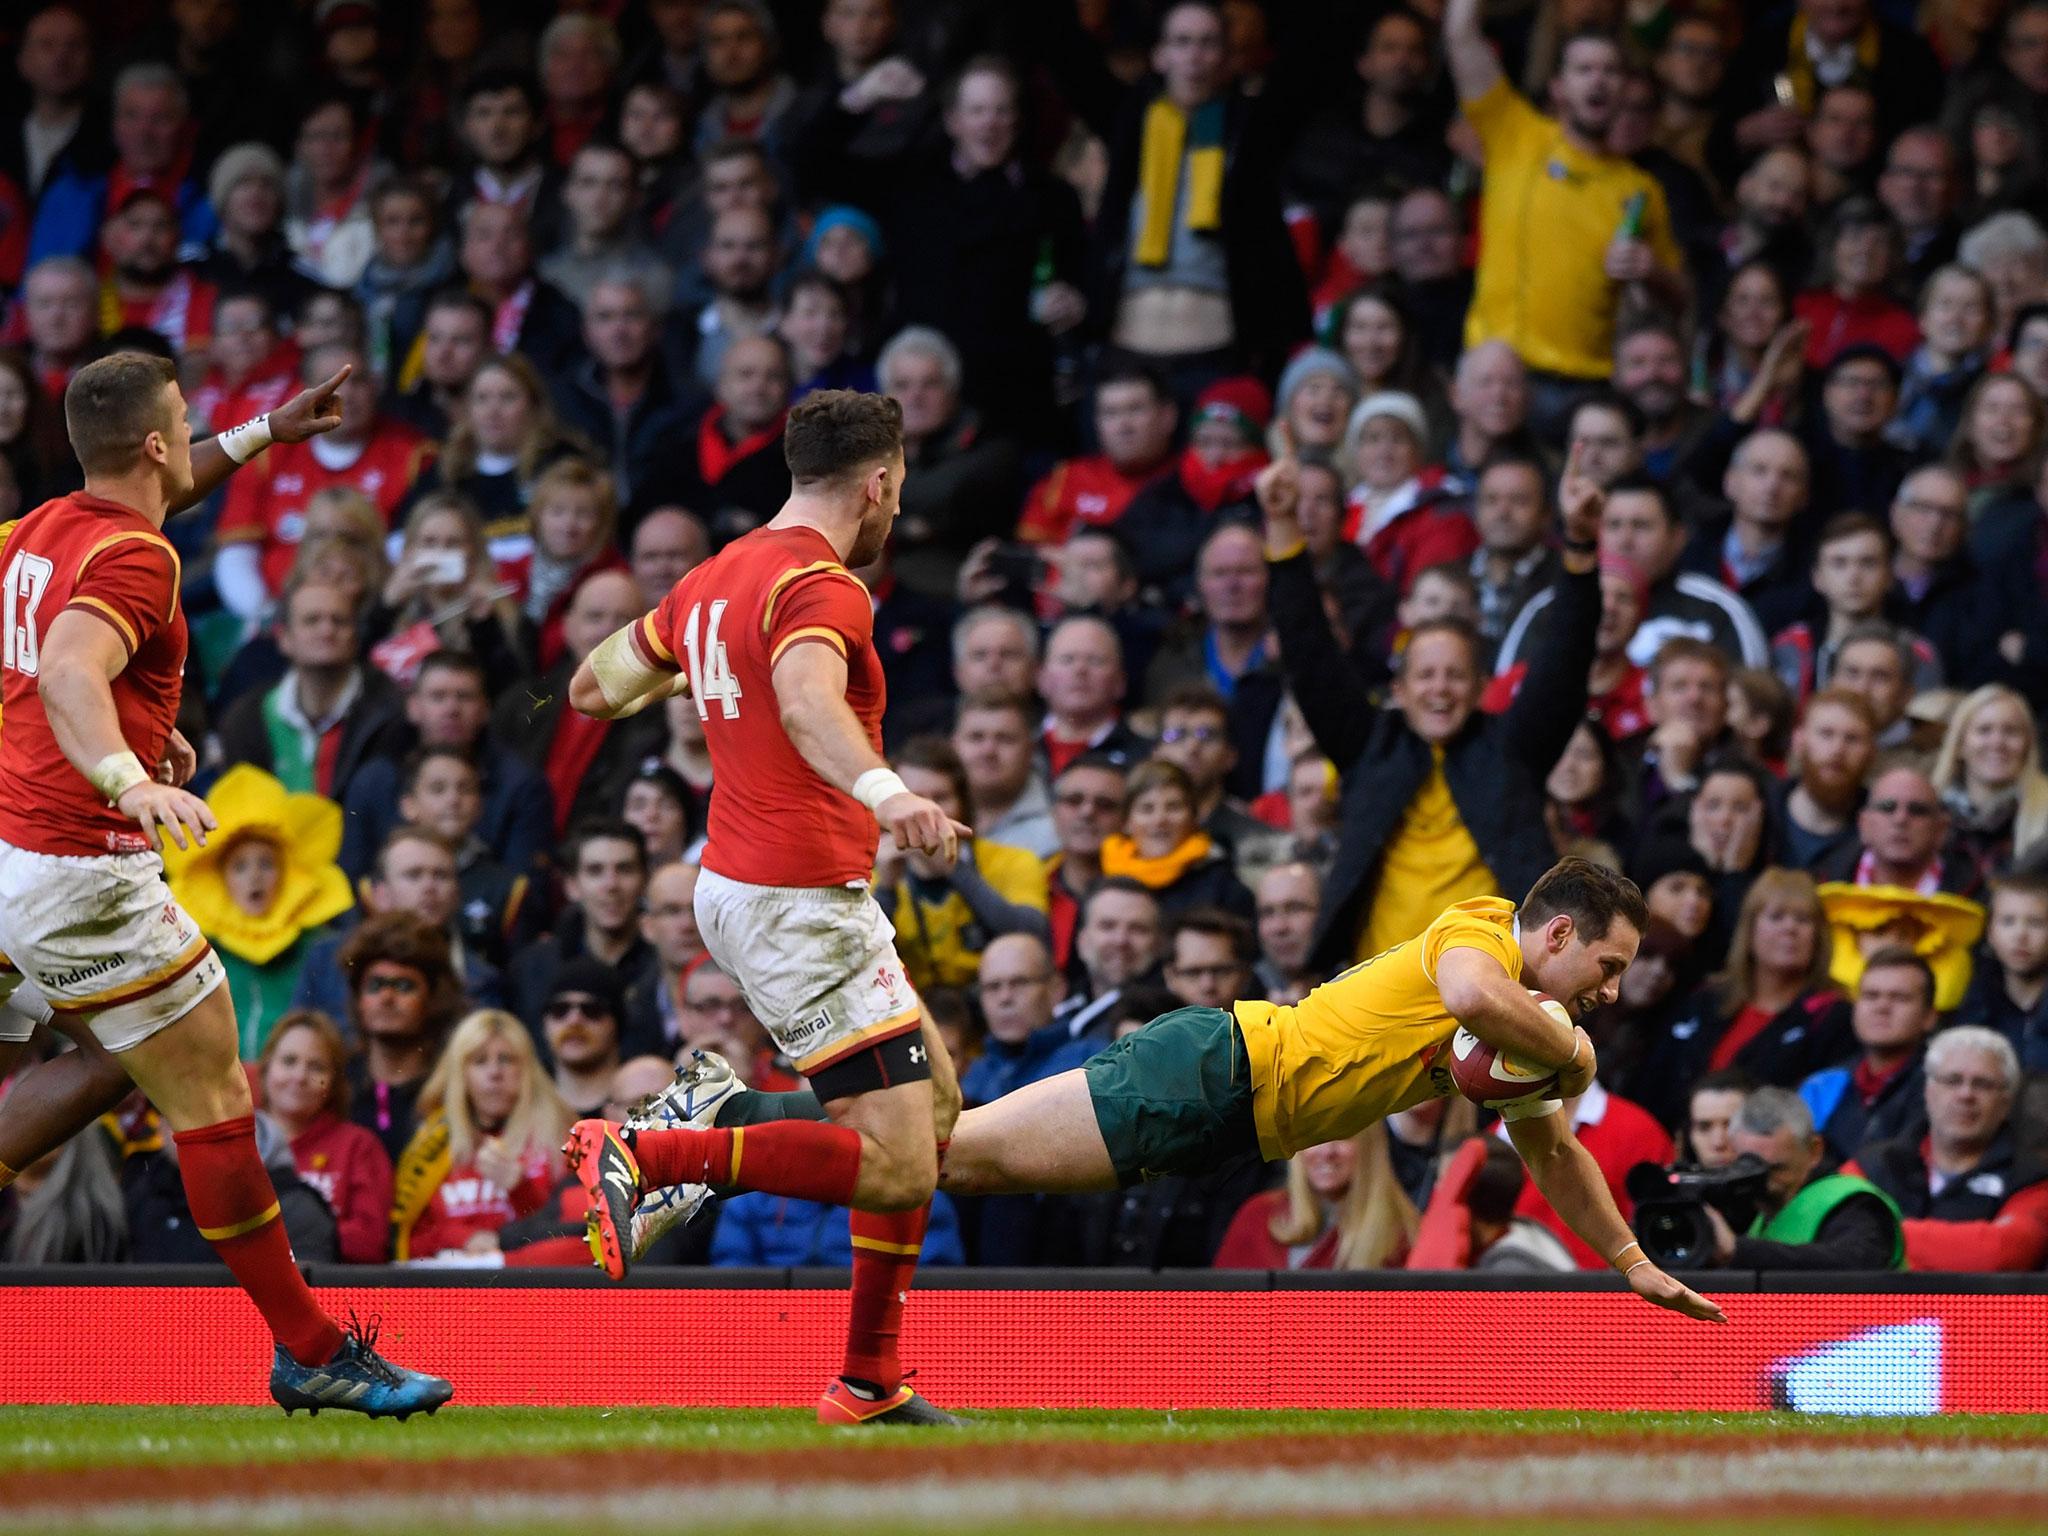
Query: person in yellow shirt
pixel 1566 229
pixel 1198 1086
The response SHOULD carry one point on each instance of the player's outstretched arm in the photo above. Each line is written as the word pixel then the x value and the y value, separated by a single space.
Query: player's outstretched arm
pixel 1572 1182
pixel 307 414
pixel 617 679
pixel 81 658
pixel 810 696
pixel 1483 997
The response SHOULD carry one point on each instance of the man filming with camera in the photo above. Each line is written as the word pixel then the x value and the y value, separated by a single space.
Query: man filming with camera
pixel 1834 1222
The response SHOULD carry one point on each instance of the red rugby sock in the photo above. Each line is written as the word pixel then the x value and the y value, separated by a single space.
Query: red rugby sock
pixel 885 1247
pixel 235 1208
pixel 805 1159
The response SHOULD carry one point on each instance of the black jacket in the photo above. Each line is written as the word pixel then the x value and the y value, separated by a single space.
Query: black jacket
pixel 1268 298
pixel 1809 1034
pixel 373 727
pixel 1495 766
pixel 1859 1234
pixel 1897 1168
pixel 2008 545
pixel 530 978
pixel 528 716
pixel 516 822
pixel 630 445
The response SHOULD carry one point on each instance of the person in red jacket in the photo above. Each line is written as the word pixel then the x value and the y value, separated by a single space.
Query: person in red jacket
pixel 486 1150
pixel 1134 423
pixel 264 517
pixel 1972 1198
pixel 1619 1134
pixel 304 1081
pixel 1396 512
pixel 1341 1208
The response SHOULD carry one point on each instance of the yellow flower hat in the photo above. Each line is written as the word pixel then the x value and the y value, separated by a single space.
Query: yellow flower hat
pixel 311 888
pixel 1940 929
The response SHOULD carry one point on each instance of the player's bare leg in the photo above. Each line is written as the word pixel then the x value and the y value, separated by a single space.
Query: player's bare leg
pixel 1041 1139
pixel 54 1100
pixel 190 1071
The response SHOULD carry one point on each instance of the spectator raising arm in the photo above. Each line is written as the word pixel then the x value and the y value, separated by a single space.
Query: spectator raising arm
pixel 1474 68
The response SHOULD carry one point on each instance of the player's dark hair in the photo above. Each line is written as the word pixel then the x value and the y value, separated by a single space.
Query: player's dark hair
pixel 1590 895
pixel 607 829
pixel 835 433
pixel 935 754
pixel 112 405
pixel 1896 957
pixel 1215 923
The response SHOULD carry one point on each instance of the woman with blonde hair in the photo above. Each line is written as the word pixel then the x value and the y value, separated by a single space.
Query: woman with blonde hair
pixel 506 435
pixel 1989 774
pixel 445 593
pixel 1341 1208
pixel 487 1150
pixel 1772 1011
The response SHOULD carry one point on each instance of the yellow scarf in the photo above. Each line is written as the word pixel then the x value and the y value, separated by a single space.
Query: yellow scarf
pixel 1799 64
pixel 1170 134
pixel 421 1169
pixel 1120 856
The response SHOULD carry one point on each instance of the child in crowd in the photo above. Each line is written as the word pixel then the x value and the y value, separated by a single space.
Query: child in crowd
pixel 1164 848
pixel 442 791
pixel 574 511
pixel 2009 992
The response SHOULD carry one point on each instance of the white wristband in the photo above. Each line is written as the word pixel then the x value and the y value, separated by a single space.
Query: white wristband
pixel 877 785
pixel 117 773
pixel 243 443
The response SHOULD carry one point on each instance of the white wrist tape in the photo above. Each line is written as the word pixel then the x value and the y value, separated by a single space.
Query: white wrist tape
pixel 117 773
pixel 243 443
pixel 1639 1263
pixel 877 785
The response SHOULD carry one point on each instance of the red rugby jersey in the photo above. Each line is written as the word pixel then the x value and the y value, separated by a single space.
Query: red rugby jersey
pixel 773 821
pixel 267 498
pixel 95 556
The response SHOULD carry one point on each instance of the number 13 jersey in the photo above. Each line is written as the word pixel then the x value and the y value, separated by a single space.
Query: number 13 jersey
pixel 773 820
pixel 85 554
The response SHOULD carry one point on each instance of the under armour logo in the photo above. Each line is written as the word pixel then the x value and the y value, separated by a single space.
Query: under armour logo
pixel 917 1054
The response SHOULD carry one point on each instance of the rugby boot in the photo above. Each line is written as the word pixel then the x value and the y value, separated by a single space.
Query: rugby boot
pixel 605 1167
pixel 846 1404
pixel 356 1380
pixel 691 1101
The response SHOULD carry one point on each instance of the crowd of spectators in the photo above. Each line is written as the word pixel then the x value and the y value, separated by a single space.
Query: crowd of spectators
pixel 1773 278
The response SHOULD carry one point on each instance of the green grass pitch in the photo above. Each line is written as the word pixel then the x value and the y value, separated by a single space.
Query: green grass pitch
pixel 98 1469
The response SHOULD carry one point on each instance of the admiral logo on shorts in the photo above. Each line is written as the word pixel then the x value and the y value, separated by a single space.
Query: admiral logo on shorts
pixel 800 1030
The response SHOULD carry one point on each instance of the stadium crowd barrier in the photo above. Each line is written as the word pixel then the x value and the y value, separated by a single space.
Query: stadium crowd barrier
pixel 1915 1343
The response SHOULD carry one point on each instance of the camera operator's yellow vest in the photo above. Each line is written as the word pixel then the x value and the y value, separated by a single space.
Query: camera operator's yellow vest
pixel 1806 1212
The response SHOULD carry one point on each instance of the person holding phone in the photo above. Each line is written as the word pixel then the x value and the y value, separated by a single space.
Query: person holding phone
pixel 444 593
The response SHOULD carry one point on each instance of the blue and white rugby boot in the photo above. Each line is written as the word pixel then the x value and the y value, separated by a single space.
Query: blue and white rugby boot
pixel 356 1380
pixel 692 1100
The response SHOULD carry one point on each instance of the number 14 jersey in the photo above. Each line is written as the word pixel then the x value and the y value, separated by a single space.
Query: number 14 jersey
pixel 95 556
pixel 773 820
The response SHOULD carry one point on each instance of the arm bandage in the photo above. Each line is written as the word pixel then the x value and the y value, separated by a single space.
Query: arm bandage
pixel 628 683
pixel 243 443
pixel 117 773
pixel 877 785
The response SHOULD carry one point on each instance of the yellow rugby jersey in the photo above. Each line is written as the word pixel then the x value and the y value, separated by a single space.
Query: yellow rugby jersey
pixel 1369 1041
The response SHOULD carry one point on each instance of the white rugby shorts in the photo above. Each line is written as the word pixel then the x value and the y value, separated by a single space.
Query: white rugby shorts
pixel 818 965
pixel 103 940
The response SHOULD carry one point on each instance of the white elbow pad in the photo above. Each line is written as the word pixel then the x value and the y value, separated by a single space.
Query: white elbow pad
pixel 627 682
pixel 1530 1108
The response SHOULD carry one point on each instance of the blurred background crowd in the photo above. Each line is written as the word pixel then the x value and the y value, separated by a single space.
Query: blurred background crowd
pixel 1776 277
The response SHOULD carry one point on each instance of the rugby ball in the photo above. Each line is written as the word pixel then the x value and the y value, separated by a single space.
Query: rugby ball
pixel 1493 1078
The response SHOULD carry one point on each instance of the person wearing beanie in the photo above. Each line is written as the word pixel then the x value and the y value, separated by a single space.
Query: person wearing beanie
pixel 1397 512
pixel 1313 400
pixel 1169 521
pixel 581 1019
